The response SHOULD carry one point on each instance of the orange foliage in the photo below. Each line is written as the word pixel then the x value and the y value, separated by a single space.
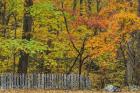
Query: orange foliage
pixel 91 22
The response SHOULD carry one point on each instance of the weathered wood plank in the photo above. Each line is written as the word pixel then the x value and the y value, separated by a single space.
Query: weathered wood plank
pixel 44 81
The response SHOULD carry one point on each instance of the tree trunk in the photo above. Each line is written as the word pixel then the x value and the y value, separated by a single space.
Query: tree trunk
pixel 3 17
pixel 98 5
pixel 121 57
pixel 133 53
pixel 27 28
pixel 138 51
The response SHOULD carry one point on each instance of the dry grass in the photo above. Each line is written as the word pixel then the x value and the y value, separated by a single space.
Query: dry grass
pixel 53 91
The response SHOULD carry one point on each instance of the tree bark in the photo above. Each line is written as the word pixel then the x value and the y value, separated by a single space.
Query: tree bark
pixel 133 55
pixel 27 28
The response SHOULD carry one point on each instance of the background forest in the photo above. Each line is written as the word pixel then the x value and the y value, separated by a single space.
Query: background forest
pixel 96 38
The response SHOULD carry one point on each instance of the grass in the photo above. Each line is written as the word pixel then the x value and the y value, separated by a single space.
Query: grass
pixel 54 91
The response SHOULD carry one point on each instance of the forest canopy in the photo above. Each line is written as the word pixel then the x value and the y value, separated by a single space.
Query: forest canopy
pixel 96 38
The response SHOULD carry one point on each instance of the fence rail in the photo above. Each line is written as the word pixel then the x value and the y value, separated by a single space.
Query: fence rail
pixel 44 81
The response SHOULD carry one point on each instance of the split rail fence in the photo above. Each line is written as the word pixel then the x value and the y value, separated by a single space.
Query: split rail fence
pixel 44 81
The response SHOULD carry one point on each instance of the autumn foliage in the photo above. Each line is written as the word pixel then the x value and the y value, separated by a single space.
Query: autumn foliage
pixel 69 36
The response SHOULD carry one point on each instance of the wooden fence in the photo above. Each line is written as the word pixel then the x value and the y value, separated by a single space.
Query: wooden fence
pixel 44 81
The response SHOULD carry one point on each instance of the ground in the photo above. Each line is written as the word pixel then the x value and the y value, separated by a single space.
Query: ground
pixel 54 91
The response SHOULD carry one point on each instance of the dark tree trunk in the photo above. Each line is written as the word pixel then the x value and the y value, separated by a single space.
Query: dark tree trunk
pixel 98 2
pixel 27 28
pixel 23 62
pixel 80 65
pixel 3 17
pixel 81 7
